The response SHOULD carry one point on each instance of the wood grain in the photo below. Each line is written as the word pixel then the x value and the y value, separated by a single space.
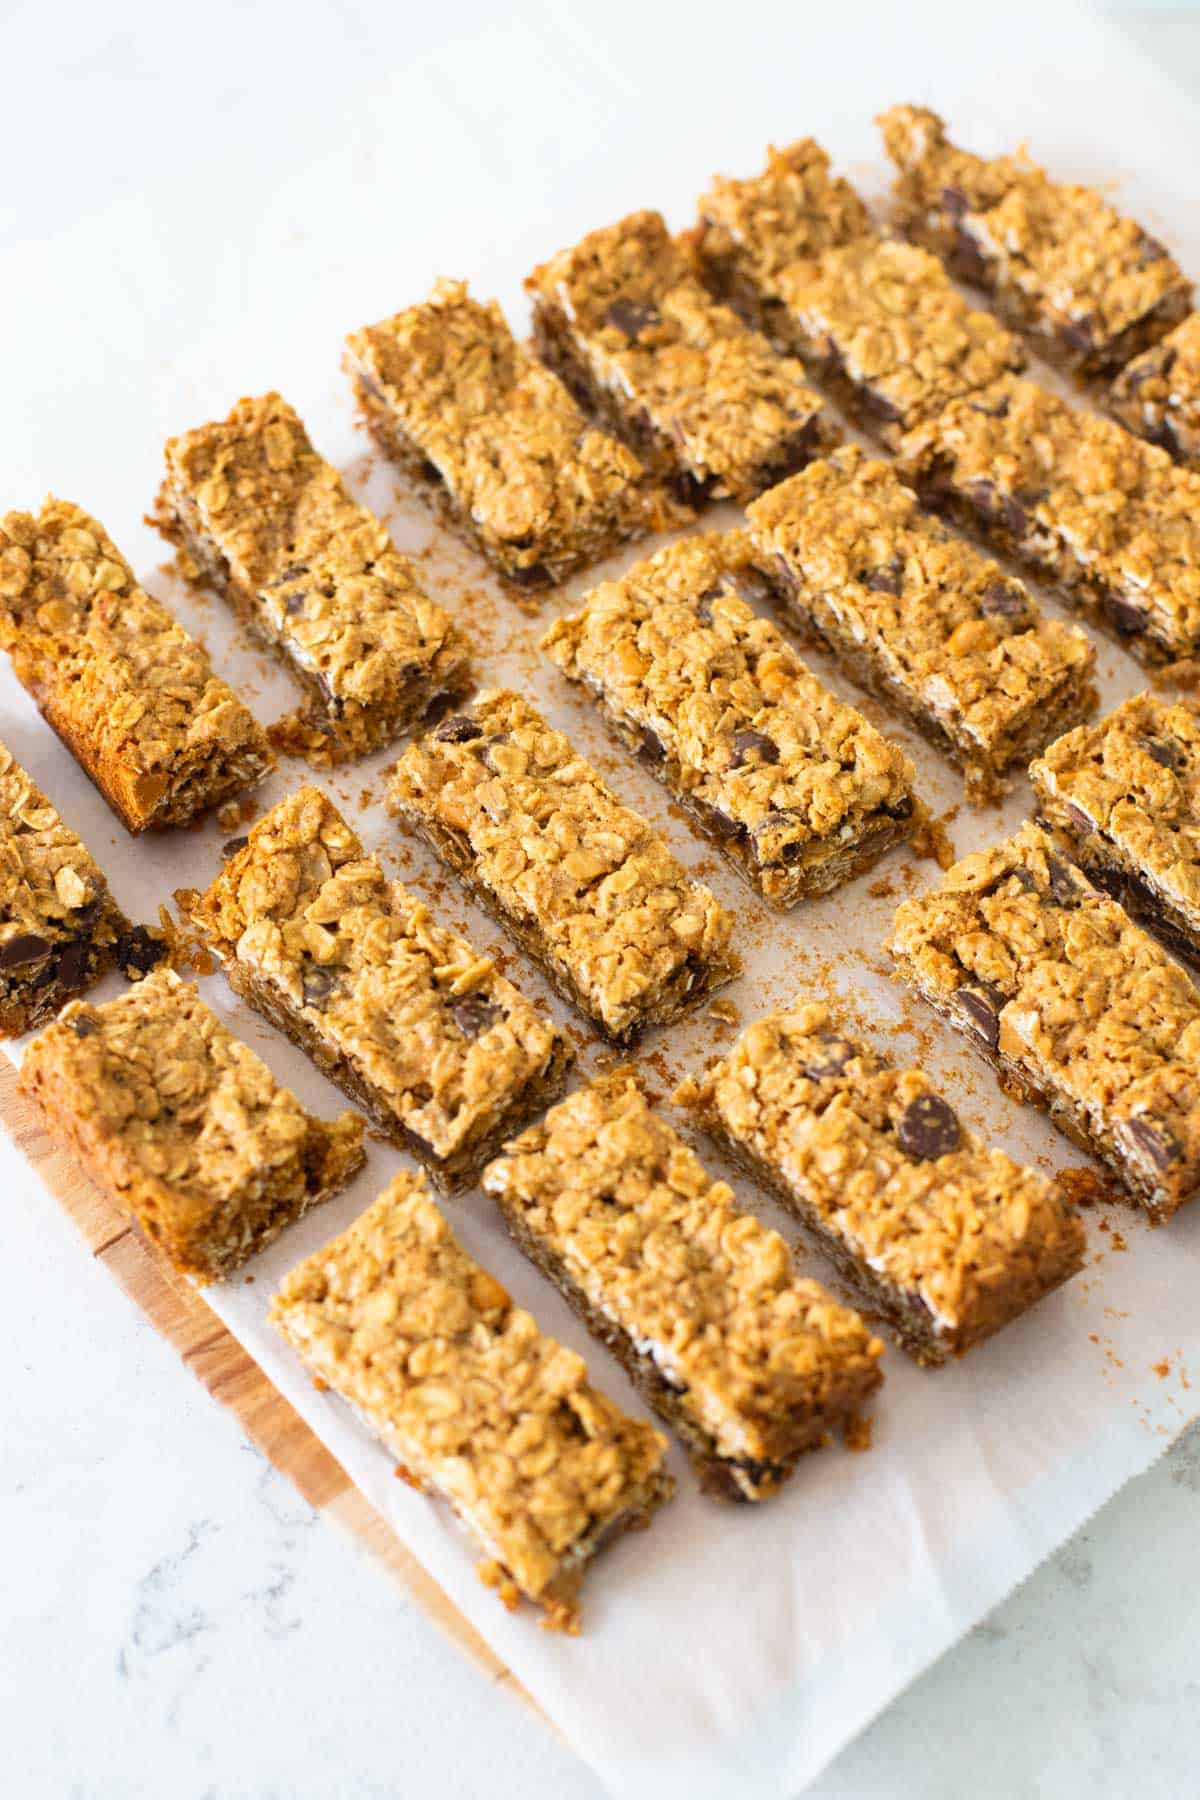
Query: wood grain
pixel 178 1311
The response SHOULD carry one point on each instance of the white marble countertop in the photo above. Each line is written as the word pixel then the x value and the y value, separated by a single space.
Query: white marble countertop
pixel 178 1622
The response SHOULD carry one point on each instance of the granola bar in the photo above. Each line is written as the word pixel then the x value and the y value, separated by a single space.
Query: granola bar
pixel 750 231
pixel 465 410
pixel 943 1237
pixel 582 883
pixel 1126 791
pixel 314 575
pixel 701 1303
pixel 60 928
pixel 477 1404
pixel 1090 286
pixel 795 788
pixel 183 1126
pixel 1076 1007
pixel 412 1022
pixel 1111 520
pixel 921 617
pixel 132 696
pixel 1158 393
pixel 704 400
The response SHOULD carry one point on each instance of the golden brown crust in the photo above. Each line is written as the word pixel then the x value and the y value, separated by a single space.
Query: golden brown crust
pixel 411 1020
pixel 183 1126
pixel 132 696
pixel 949 1238
pixel 582 882
pixel 476 1403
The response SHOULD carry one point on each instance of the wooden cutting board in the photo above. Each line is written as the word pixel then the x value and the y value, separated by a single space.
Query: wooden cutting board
pixel 178 1311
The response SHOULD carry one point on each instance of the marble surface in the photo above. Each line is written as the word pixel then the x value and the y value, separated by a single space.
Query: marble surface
pixel 177 1621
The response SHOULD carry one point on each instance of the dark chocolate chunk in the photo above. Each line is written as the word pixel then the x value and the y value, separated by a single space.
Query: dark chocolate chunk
pixel 955 202
pixel 84 1027
pixel 928 1128
pixel 458 728
pixel 632 316
pixel 887 580
pixel 294 604
pixel 1153 1141
pixel 70 963
pixel 878 406
pixel 1124 617
pixel 825 1055
pixel 1165 751
pixel 25 947
pixel 651 749
pixel 533 575
pixel 999 411
pixel 1000 599
pixel 747 742
pixel 139 949
pixel 231 847
pixel 980 1006
pixel 1078 817
pixel 319 984
pixel 720 824
pixel 704 605
pixel 474 1015
pixel 689 488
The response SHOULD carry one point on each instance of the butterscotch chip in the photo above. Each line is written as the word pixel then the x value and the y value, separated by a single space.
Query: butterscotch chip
pixel 477 1405
pixel 183 1126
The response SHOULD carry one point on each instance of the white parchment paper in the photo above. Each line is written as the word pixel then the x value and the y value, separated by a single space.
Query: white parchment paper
pixel 727 1652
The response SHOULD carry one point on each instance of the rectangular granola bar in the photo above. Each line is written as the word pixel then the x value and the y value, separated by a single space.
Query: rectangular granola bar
pixel 703 399
pixel 794 787
pixel 455 401
pixel 921 617
pixel 1077 1007
pixel 316 578
pixel 412 1022
pixel 1111 520
pixel 479 1407
pixel 1126 791
pixel 1158 393
pixel 702 1304
pixel 132 696
pixel 60 928
pixel 582 883
pixel 183 1126
pixel 1090 286
pixel 942 1236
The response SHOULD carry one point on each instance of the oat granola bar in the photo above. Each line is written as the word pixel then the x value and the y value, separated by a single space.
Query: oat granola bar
pixel 920 617
pixel 1126 792
pixel 478 1406
pixel 183 1126
pixel 703 399
pixel 1158 393
pixel 1091 287
pixel 455 401
pixel 132 696
pixel 1077 1007
pixel 1110 519
pixel 414 1023
pixel 702 1304
pixel 315 576
pixel 60 928
pixel 797 791
pixel 582 883
pixel 943 1237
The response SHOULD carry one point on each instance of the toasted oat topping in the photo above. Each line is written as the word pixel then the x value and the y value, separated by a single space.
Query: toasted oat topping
pixel 442 1038
pixel 539 482
pixel 889 320
pixel 1071 485
pixel 133 695
pixel 463 1387
pixel 939 618
pixel 794 209
pixel 1086 272
pixel 663 1251
pixel 1158 393
pixel 750 732
pixel 48 879
pixel 1055 975
pixel 887 1167
pixel 1134 778
pixel 551 845
pixel 272 521
pixel 714 392
pixel 185 1123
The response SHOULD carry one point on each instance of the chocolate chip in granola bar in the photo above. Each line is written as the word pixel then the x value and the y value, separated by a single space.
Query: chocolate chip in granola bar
pixel 319 984
pixel 887 580
pixel 899 809
pixel 651 749
pixel 232 846
pixel 1079 819
pixel 980 1005
pixel 1153 1141
pixel 1003 600
pixel 1167 752
pixel 632 317
pixel 84 1027
pixel 826 1055
pixel 1124 617
pixel 954 201
pixel 722 826
pixel 750 584
pixel 25 947
pixel 474 1015
pixel 458 728
pixel 533 575
pixel 1150 250
pixel 1080 332
pixel 928 1128
pixel 747 743
pixel 139 949
pixel 704 605
pixel 71 961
